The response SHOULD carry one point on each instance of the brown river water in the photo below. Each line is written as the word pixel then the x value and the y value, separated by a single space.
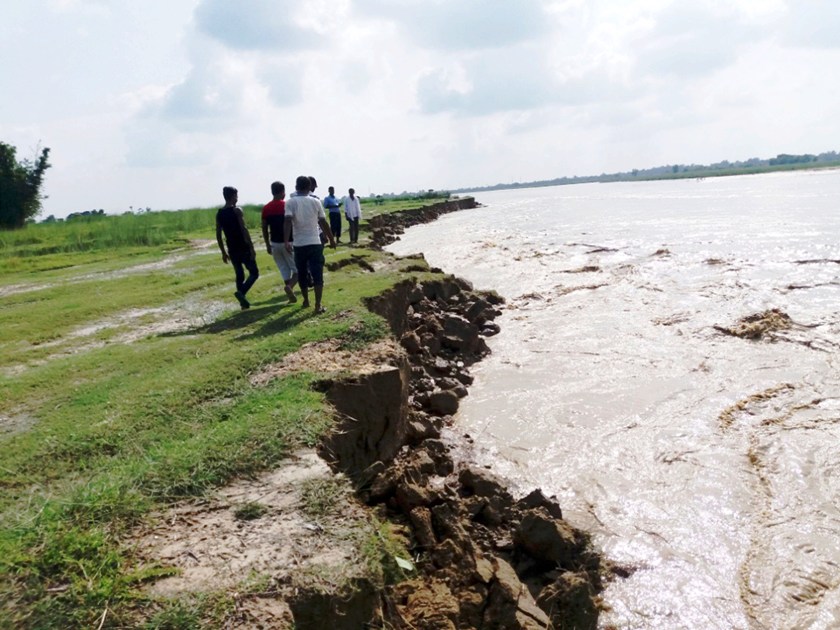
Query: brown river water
pixel 706 465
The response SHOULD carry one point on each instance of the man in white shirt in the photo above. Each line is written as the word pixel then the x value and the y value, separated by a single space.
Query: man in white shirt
pixel 353 212
pixel 304 214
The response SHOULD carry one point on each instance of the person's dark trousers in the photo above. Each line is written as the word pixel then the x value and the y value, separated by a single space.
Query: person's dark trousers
pixel 239 266
pixel 335 224
pixel 309 260
pixel 353 227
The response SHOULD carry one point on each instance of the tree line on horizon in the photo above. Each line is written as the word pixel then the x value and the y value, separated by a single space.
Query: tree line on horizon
pixel 782 161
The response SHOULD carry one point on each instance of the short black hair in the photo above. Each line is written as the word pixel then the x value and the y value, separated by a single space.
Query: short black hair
pixel 312 183
pixel 277 188
pixel 229 192
pixel 302 183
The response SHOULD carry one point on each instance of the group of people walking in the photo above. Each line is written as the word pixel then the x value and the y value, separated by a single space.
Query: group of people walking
pixel 295 232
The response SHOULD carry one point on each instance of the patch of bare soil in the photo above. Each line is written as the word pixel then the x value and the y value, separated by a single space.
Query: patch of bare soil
pixel 17 423
pixel 13 289
pixel 353 259
pixel 262 539
pixel 328 357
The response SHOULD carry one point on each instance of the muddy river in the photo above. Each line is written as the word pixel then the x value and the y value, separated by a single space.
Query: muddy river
pixel 705 464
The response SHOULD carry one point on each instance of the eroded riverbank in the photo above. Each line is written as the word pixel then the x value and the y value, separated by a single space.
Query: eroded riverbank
pixel 482 559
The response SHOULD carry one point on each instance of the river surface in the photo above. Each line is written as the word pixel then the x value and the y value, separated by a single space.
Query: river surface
pixel 706 465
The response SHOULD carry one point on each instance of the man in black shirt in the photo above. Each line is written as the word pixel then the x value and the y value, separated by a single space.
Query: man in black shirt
pixel 240 249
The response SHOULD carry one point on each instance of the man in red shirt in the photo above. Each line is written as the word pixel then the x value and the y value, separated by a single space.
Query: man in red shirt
pixel 273 218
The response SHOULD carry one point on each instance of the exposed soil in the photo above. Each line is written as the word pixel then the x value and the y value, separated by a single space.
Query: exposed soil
pixel 17 423
pixel 329 358
pixel 258 539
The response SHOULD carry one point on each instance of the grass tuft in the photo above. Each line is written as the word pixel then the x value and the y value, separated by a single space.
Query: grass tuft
pixel 250 511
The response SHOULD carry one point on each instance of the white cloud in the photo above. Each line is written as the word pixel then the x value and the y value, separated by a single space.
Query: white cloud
pixel 813 24
pixel 256 24
pixel 465 24
pixel 693 39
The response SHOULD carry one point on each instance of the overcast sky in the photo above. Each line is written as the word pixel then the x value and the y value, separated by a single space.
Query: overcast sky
pixel 160 103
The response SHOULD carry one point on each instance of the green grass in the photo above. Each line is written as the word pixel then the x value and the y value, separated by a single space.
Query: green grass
pixel 99 428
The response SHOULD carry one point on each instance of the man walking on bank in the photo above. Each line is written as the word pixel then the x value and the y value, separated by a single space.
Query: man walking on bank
pixel 240 250
pixel 304 214
pixel 333 206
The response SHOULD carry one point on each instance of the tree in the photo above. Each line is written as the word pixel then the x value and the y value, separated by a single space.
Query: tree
pixel 20 186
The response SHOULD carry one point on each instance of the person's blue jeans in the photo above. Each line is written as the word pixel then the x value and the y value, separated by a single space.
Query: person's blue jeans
pixel 240 263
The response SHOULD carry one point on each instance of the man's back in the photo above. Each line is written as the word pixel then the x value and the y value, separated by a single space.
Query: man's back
pixel 274 213
pixel 305 212
pixel 238 241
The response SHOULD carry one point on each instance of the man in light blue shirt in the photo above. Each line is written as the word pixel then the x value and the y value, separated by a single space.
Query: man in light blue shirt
pixel 333 206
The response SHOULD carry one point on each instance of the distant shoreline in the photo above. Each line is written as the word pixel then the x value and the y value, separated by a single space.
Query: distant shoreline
pixel 625 177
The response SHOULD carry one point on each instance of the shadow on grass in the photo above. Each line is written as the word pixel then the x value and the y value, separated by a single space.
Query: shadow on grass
pixel 292 317
pixel 292 314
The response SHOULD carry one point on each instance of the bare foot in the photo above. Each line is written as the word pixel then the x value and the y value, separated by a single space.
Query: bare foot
pixel 305 304
pixel 320 310
pixel 290 294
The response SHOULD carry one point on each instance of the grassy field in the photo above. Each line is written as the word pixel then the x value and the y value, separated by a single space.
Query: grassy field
pixel 124 387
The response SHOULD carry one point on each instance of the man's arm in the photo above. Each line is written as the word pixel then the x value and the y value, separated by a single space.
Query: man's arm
pixel 265 235
pixel 325 227
pixel 287 232
pixel 220 242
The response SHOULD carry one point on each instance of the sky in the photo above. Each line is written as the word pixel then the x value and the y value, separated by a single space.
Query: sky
pixel 161 103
